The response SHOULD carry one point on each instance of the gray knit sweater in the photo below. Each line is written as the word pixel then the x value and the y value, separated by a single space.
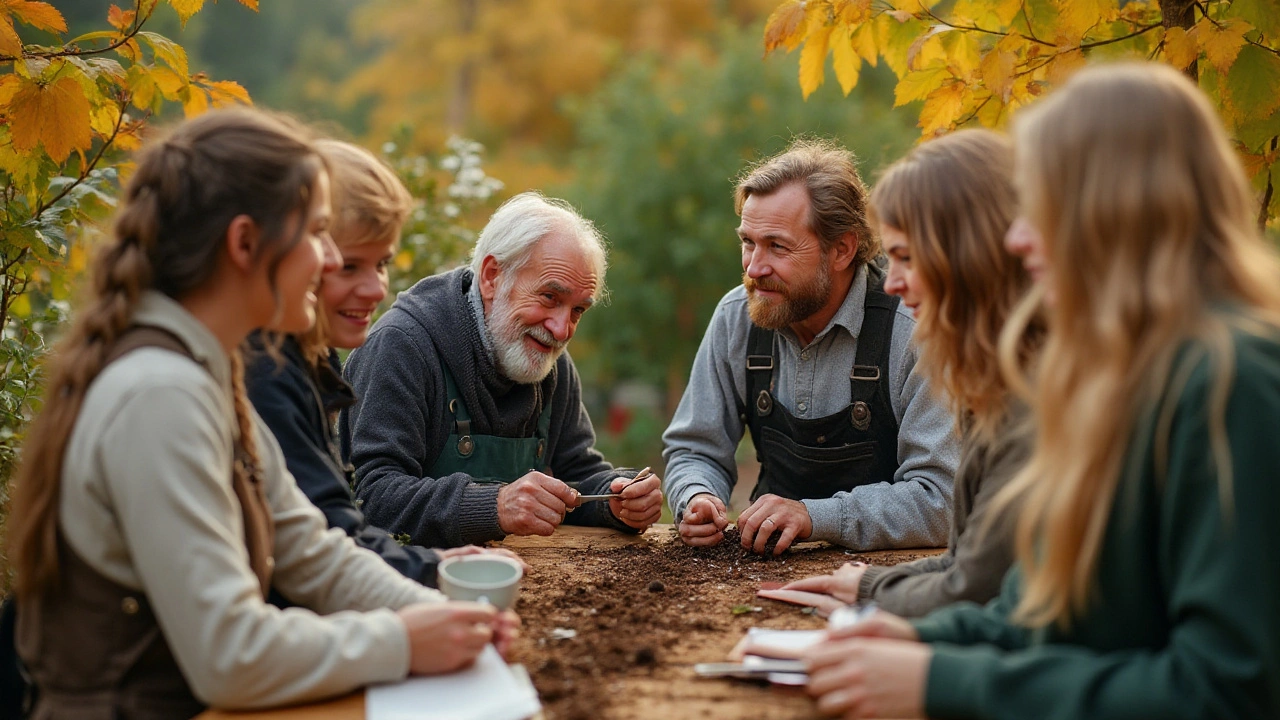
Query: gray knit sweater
pixel 398 427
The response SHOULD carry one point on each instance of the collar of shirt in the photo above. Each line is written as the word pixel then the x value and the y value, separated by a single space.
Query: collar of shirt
pixel 159 310
pixel 848 316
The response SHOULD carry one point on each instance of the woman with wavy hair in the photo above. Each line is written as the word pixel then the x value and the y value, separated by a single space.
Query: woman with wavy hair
pixel 1150 490
pixel 942 213
pixel 152 509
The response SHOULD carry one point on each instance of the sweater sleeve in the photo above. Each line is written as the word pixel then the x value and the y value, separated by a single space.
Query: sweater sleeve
pixel 167 459
pixel 972 569
pixel 1222 657
pixel 285 399
pixel 395 437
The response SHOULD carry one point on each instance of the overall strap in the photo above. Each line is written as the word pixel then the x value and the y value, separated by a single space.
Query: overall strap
pixel 870 373
pixel 761 361
pixel 458 407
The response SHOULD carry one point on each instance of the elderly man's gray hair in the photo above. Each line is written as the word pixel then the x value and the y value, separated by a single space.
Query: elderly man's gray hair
pixel 518 225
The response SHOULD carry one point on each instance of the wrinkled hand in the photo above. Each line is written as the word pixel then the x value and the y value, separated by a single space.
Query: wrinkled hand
pixel 841 584
pixel 641 503
pixel 704 521
pixel 869 677
pixel 534 505
pixel 476 550
pixel 446 636
pixel 772 514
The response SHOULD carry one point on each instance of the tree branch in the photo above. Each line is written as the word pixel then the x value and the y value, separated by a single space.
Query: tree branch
pixel 1267 194
pixel 975 28
pixel 138 21
pixel 1134 34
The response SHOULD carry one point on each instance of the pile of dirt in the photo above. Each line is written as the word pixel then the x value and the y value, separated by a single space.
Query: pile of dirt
pixel 598 616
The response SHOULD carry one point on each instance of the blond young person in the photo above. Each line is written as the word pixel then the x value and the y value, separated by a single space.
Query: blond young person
pixel 1150 492
pixel 152 509
pixel 942 213
pixel 295 381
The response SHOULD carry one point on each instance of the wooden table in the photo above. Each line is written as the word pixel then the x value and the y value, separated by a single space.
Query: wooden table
pixel 670 693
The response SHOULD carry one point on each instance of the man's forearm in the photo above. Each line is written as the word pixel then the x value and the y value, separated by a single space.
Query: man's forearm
pixel 688 475
pixel 911 513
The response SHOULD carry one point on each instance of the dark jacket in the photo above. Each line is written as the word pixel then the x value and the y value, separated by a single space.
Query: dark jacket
pixel 1183 619
pixel 399 425
pixel 297 399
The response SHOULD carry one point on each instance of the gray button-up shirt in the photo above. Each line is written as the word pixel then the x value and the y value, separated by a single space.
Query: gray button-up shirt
pixel 910 509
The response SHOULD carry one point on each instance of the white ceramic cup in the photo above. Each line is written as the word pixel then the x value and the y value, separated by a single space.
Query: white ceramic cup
pixel 481 578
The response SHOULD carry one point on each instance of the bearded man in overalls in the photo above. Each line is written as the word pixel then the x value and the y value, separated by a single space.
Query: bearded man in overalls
pixel 814 359
pixel 469 423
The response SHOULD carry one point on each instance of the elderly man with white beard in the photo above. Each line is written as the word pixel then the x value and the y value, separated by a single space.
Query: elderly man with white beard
pixel 469 424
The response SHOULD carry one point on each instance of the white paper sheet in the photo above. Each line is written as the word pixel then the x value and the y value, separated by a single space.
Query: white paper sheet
pixel 488 690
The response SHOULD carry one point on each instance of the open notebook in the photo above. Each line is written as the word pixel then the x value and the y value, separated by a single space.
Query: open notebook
pixel 488 690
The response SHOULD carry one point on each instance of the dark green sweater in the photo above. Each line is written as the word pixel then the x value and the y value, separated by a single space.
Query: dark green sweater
pixel 1185 621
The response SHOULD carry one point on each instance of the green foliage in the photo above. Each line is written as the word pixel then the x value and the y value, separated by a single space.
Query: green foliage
pixel 661 145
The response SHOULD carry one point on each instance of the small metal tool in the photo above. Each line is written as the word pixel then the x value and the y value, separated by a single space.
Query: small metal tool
pixel 645 473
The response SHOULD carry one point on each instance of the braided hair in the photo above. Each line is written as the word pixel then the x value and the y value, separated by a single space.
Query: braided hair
pixel 167 236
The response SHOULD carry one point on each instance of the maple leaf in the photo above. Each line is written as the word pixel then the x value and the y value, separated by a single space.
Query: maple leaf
pixel 942 108
pixel 1180 48
pixel 785 26
pixel 1221 44
pixel 39 15
pixel 53 115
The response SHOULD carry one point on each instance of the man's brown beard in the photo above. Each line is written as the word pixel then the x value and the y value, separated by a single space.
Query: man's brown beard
pixel 798 301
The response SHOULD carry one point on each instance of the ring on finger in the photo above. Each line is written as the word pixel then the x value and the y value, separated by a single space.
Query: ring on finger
pixel 770 521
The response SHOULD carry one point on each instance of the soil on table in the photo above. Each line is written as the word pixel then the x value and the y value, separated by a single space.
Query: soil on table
pixel 614 633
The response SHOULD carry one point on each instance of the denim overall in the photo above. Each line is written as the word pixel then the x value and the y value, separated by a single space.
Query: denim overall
pixel 816 458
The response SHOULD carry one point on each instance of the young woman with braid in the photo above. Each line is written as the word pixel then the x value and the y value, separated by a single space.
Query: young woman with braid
pixel 295 381
pixel 942 213
pixel 1150 492
pixel 152 508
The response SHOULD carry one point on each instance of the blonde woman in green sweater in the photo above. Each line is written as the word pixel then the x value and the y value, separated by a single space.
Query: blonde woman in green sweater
pixel 1150 491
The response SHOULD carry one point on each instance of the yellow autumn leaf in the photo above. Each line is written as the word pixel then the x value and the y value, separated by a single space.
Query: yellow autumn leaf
pixel 1077 17
pixel 53 115
pixel 404 260
pixel 186 8
pixel 10 43
pixel 169 51
pixel 1007 10
pixel 852 12
pixel 195 101
pixel 963 53
pixel 39 15
pixel 894 38
pixel 142 87
pixel 1222 44
pixel 919 84
pixel 942 108
pixel 813 59
pixel 9 86
pixel 104 118
pixel 169 83
pixel 1180 48
pixel 864 41
pixel 120 19
pixel 785 26
pixel 251 4
pixel 227 92
pixel 21 306
pixel 845 59
pixel 1063 65
pixel 997 69
pixel 927 50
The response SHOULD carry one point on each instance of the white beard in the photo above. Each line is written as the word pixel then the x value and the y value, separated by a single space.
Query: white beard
pixel 513 358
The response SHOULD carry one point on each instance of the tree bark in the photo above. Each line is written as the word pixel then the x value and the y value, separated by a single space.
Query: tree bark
pixel 464 78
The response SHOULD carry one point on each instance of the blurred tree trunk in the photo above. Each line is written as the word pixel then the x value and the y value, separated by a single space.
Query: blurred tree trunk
pixel 464 79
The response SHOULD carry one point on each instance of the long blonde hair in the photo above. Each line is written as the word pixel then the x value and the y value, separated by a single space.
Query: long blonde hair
pixel 370 204
pixel 168 236
pixel 954 200
pixel 1147 224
